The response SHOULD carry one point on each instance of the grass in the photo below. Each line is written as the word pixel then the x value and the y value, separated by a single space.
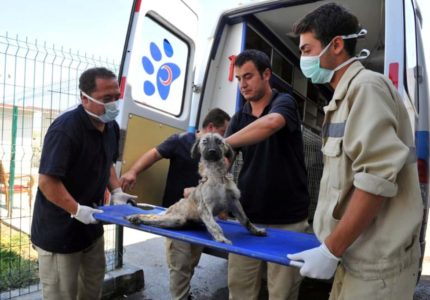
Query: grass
pixel 18 260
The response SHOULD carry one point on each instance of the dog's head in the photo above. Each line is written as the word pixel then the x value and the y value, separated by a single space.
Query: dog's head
pixel 212 147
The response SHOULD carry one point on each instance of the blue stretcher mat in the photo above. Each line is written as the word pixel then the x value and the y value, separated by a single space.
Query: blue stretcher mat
pixel 274 247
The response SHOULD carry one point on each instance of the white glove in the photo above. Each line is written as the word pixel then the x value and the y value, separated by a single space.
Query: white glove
pixel 119 197
pixel 316 262
pixel 84 214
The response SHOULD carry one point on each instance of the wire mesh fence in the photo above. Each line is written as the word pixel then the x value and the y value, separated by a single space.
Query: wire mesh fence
pixel 37 82
pixel 314 166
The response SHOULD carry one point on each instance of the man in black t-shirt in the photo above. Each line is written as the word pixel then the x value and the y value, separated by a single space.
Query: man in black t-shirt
pixel 182 257
pixel 76 167
pixel 272 179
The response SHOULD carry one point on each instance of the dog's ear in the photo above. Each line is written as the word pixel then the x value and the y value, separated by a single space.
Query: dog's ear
pixel 195 151
pixel 228 151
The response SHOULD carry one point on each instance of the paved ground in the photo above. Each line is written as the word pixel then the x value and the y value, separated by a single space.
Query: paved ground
pixel 146 251
pixel 209 282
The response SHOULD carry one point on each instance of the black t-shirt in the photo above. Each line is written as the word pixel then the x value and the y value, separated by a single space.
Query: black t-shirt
pixel 183 170
pixel 273 180
pixel 81 157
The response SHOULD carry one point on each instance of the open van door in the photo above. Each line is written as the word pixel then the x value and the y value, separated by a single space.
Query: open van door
pixel 156 75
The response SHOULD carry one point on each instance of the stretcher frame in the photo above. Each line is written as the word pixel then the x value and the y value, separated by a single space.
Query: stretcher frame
pixel 272 248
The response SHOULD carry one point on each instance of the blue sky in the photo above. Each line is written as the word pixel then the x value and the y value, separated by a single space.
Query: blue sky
pixel 95 27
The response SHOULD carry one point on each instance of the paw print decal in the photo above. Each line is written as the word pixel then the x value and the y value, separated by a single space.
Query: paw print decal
pixel 166 73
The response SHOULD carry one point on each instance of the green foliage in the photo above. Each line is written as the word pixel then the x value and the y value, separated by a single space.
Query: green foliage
pixel 18 261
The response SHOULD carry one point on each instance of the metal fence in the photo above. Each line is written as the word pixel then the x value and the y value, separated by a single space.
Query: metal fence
pixel 314 166
pixel 37 82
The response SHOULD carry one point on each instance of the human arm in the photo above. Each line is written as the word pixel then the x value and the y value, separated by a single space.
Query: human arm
pixel 257 131
pixel 128 179
pixel 377 151
pixel 321 262
pixel 371 141
pixel 55 191
pixel 361 211
pixel 114 182
pixel 117 194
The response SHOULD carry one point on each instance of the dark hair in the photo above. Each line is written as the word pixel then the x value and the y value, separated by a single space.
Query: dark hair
pixel 217 117
pixel 328 21
pixel 259 58
pixel 87 81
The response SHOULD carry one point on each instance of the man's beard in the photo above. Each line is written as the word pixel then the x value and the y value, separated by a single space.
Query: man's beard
pixel 257 97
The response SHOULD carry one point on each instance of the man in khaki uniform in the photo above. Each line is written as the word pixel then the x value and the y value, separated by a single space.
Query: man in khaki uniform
pixel 369 210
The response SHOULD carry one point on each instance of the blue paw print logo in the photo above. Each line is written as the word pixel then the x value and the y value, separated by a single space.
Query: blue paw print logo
pixel 166 74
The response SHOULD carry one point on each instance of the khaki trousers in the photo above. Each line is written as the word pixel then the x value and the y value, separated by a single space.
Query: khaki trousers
pixel 182 258
pixel 244 274
pixel 73 276
pixel 401 286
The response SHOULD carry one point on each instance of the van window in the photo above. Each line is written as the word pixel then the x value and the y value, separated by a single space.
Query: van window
pixel 254 41
pixel 282 67
pixel 288 78
pixel 158 67
pixel 411 52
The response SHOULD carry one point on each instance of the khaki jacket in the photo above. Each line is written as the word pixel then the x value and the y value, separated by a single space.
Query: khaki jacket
pixel 368 143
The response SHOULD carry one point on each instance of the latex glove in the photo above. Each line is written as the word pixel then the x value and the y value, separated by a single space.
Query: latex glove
pixel 84 214
pixel 119 197
pixel 316 262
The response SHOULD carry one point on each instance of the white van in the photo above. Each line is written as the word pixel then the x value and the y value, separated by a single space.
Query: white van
pixel 178 64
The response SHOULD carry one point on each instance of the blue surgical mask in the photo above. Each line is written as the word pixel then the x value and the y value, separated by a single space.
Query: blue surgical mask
pixel 111 110
pixel 311 67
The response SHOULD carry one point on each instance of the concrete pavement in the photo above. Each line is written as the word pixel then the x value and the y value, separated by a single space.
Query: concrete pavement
pixel 209 282
pixel 146 251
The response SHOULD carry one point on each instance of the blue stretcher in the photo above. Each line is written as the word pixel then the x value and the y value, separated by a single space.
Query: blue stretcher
pixel 274 247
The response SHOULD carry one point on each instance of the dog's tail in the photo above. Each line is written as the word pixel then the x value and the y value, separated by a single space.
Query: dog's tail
pixel 163 221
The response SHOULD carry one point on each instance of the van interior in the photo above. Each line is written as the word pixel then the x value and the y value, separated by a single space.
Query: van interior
pixel 269 28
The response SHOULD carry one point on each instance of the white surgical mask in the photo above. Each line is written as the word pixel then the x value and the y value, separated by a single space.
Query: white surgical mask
pixel 111 110
pixel 311 68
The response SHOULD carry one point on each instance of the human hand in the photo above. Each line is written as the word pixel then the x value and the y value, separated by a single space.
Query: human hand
pixel 84 214
pixel 128 180
pixel 317 262
pixel 187 191
pixel 119 197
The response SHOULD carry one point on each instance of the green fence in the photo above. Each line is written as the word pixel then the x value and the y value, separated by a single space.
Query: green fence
pixel 38 81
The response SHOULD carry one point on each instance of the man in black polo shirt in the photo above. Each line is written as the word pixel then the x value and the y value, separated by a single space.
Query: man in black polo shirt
pixel 182 257
pixel 78 153
pixel 272 179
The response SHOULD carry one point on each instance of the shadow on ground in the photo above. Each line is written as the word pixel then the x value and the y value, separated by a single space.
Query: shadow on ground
pixel 209 281
pixel 422 291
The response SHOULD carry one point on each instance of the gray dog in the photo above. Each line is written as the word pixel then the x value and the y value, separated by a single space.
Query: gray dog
pixel 215 193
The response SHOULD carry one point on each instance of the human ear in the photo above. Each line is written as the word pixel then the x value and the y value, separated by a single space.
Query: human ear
pixel 267 73
pixel 338 45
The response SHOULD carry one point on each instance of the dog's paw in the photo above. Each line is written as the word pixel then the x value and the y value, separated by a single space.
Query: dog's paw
pixel 223 240
pixel 134 219
pixel 259 231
